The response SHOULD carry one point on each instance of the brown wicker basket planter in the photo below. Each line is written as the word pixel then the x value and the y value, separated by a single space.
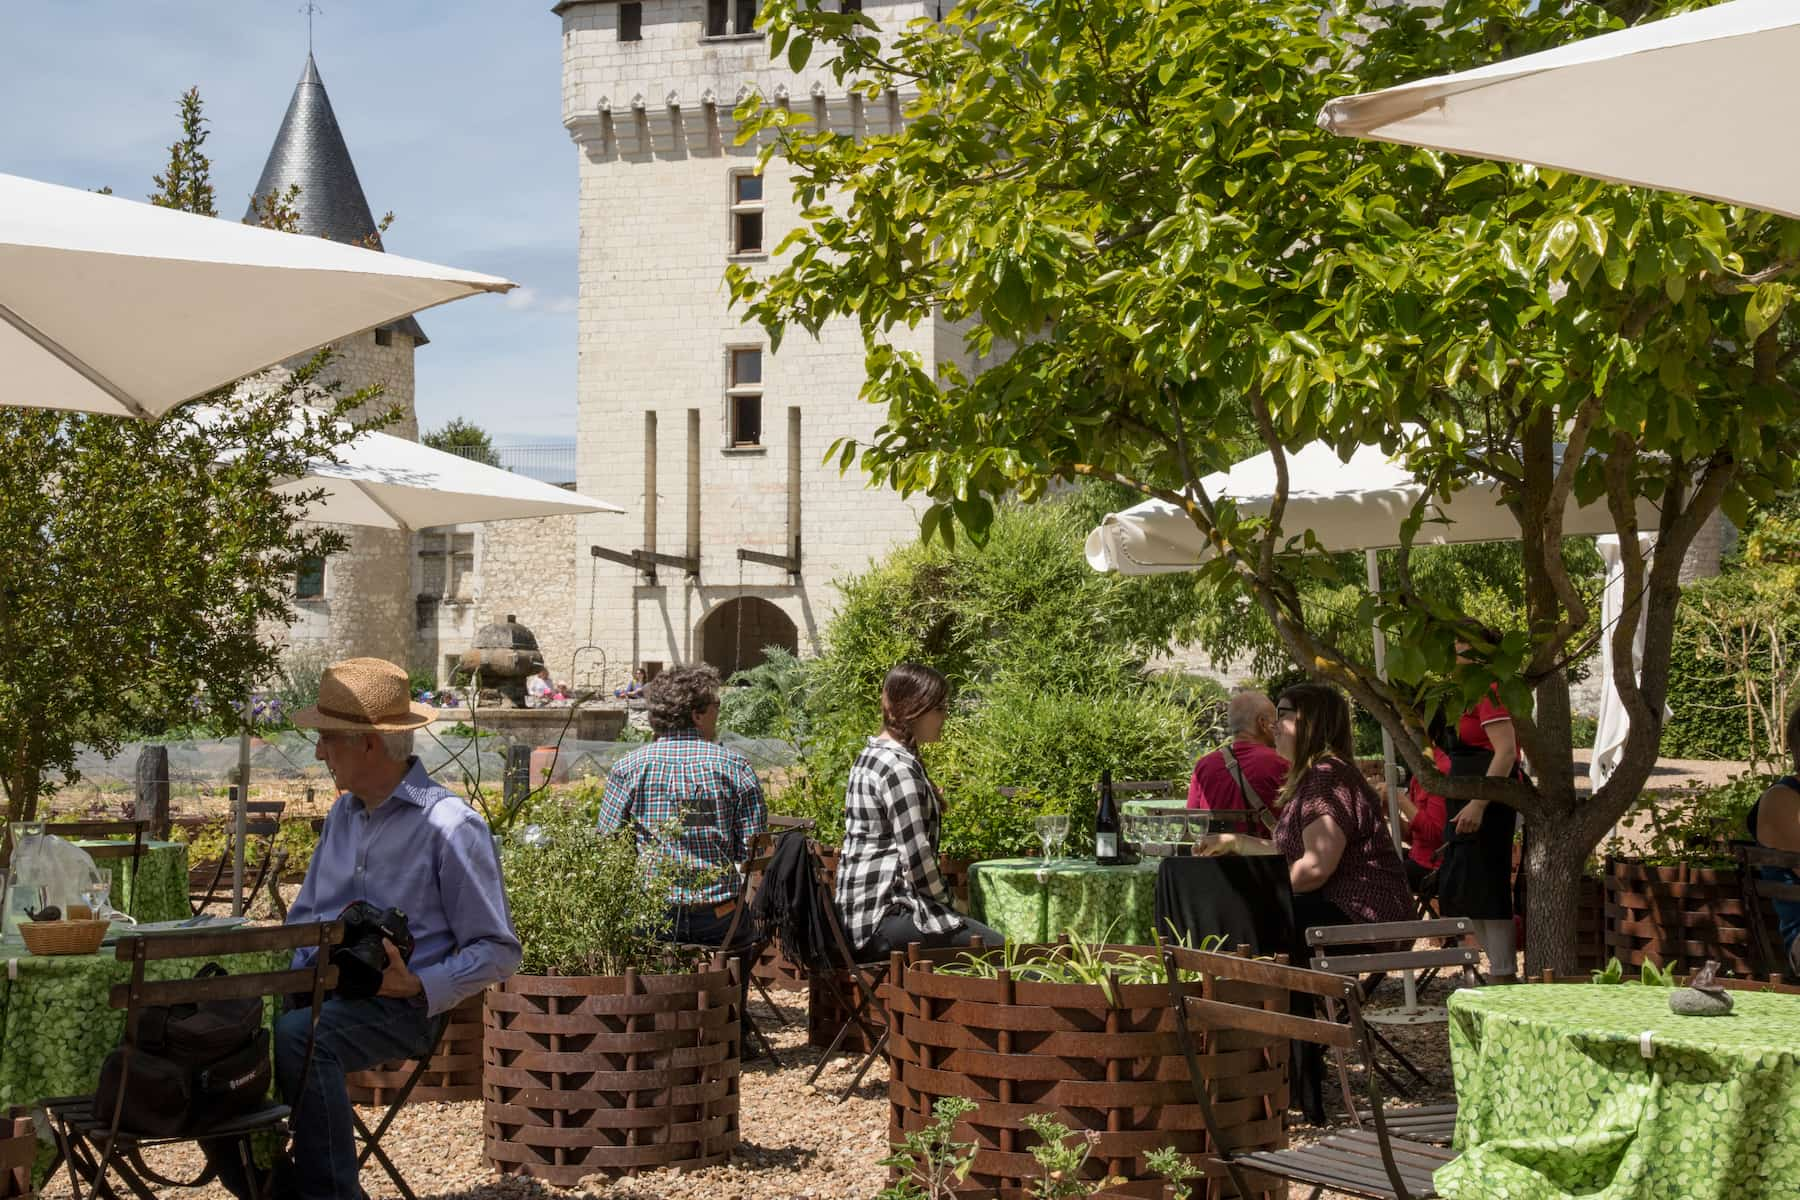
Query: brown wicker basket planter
pixel 18 1149
pixel 454 1072
pixel 1679 915
pixel 1016 1047
pixel 610 1075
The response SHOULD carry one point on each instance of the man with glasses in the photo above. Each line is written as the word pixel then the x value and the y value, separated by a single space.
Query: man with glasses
pixel 1246 774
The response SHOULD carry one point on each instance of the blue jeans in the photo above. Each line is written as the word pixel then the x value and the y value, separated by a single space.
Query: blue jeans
pixel 353 1036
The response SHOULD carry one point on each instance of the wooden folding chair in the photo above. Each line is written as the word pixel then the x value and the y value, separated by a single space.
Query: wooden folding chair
pixel 1373 1164
pixel 1432 1122
pixel 262 822
pixel 745 947
pixel 124 839
pixel 371 1138
pixel 91 1141
pixel 855 985
pixel 1751 859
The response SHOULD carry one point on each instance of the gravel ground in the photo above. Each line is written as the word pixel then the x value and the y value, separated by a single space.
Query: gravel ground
pixel 797 1143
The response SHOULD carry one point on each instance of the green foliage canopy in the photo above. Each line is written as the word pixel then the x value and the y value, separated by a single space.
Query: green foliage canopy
pixel 466 438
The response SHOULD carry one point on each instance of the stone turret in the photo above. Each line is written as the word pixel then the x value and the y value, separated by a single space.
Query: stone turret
pixel 366 603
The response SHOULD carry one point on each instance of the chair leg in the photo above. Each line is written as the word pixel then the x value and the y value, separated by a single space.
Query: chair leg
pixel 768 1047
pixel 1399 1057
pixel 762 990
pixel 842 1033
pixel 867 1062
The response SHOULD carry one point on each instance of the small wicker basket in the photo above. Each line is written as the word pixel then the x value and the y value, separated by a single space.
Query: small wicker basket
pixel 63 937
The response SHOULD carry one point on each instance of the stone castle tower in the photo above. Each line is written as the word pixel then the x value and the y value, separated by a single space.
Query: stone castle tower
pixel 362 600
pixel 738 530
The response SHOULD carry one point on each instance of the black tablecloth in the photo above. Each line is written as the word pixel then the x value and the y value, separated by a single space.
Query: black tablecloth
pixel 1245 898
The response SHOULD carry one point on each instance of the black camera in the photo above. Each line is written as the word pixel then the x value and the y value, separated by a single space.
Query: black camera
pixel 360 958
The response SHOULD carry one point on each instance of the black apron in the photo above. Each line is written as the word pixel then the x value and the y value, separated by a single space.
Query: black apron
pixel 1475 880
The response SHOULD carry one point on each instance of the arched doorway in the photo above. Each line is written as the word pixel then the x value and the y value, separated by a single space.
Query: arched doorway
pixel 733 635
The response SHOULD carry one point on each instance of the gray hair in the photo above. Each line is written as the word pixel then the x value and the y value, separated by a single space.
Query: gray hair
pixel 1246 706
pixel 399 746
pixel 676 697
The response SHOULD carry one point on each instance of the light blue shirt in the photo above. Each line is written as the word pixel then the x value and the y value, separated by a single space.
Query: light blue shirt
pixel 427 853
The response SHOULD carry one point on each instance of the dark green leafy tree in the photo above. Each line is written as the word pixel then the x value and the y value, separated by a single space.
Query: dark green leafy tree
pixel 186 183
pixel 142 565
pixel 465 438
pixel 1156 253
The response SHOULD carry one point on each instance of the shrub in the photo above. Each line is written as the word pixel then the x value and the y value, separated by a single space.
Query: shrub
pixel 580 902
pixel 1734 670
pixel 768 700
pixel 1693 826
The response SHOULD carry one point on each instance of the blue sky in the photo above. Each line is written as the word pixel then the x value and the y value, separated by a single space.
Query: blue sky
pixel 453 114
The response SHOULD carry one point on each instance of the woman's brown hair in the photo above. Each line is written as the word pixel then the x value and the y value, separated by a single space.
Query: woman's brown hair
pixel 1321 729
pixel 908 693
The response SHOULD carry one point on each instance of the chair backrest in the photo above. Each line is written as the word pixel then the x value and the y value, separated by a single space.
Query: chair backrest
pixel 1213 1010
pixel 779 824
pixel 1757 890
pixel 834 921
pixel 1408 932
pixel 139 992
pixel 1145 787
pixel 262 818
pixel 82 830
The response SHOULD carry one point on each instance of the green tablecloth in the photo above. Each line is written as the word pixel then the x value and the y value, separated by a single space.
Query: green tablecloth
pixel 1030 900
pixel 1154 807
pixel 56 1025
pixel 157 889
pixel 1557 1098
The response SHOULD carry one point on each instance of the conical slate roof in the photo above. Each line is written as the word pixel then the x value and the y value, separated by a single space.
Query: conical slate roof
pixel 310 151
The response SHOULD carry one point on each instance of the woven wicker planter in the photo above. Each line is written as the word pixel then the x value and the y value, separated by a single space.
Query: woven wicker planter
pixel 1016 1047
pixel 1678 915
pixel 453 1074
pixel 18 1148
pixel 610 1075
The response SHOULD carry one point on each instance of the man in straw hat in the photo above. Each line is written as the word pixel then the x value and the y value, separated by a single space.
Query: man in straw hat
pixel 396 839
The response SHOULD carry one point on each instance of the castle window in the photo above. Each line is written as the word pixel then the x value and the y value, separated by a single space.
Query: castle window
pixel 850 6
pixel 746 213
pixel 631 22
pixel 743 398
pixel 731 18
pixel 384 337
pixel 309 578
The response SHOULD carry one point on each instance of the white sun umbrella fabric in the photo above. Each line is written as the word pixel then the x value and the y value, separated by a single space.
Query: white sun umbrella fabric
pixel 113 306
pixel 1695 103
pixel 1357 504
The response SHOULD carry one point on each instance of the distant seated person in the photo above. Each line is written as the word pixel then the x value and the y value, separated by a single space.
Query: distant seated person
pixel 1425 825
pixel 543 692
pixel 1775 825
pixel 397 839
pixel 1341 860
pixel 1246 774
pixel 890 887
pixel 632 690
pixel 686 796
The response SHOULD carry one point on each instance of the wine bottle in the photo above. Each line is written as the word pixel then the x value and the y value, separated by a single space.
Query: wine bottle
pixel 1106 825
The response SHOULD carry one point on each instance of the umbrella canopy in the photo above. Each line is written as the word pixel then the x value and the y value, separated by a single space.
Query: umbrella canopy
pixel 1694 103
pixel 1354 505
pixel 112 306
pixel 386 482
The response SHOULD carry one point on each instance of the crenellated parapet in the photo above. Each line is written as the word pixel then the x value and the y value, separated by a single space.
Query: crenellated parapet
pixel 702 123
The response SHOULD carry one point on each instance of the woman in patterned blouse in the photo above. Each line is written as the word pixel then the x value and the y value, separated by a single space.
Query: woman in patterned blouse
pixel 1341 860
pixel 889 889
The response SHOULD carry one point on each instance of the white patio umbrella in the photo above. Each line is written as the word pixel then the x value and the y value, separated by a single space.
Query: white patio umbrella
pixel 112 306
pixel 1613 723
pixel 386 482
pixel 1696 103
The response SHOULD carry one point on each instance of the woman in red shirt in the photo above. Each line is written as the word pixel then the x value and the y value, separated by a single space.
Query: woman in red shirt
pixel 1475 880
pixel 1425 830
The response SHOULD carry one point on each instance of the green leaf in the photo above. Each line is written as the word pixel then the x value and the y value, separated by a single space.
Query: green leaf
pixel 1472 174
pixel 798 51
pixel 1764 308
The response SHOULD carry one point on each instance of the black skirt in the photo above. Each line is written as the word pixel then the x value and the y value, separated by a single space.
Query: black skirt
pixel 1475 880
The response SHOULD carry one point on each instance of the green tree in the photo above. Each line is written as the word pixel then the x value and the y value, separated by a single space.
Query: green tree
pixel 1155 253
pixel 140 564
pixel 186 183
pixel 465 438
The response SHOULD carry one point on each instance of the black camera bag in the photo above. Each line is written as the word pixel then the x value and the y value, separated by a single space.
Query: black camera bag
pixel 194 1065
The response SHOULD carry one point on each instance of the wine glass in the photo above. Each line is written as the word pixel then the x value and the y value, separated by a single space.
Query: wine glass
pixel 1052 828
pixel 95 895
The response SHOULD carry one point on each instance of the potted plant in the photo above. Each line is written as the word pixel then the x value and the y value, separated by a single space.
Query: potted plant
pixel 609 1052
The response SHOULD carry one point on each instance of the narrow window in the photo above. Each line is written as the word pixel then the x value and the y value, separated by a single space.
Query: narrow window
pixel 851 6
pixel 746 17
pixel 744 397
pixel 631 22
pixel 384 337
pixel 309 578
pixel 746 213
pixel 718 16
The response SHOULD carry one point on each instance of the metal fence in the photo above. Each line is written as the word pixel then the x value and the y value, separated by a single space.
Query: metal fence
pixel 550 462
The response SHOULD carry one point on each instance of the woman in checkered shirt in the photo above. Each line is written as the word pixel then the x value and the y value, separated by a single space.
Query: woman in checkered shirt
pixel 889 889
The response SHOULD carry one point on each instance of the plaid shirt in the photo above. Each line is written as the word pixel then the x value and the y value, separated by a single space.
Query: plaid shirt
pixel 889 861
pixel 711 791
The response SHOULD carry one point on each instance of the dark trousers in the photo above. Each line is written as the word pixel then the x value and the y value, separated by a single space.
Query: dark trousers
pixel 898 930
pixel 353 1035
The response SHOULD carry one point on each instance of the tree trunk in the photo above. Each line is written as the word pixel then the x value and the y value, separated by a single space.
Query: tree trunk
pixel 152 780
pixel 1554 858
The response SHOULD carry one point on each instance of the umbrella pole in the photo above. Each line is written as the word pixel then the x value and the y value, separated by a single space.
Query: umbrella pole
pixel 1390 773
pixel 239 814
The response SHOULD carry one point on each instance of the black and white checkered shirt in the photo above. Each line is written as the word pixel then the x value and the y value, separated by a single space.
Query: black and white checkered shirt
pixel 889 861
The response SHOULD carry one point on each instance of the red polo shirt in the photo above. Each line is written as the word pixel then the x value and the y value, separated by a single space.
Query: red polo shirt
pixel 1212 786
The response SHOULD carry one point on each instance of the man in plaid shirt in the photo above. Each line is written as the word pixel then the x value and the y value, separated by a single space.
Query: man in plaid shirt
pixel 685 778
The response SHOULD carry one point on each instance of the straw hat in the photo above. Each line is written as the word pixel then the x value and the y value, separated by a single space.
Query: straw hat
pixel 365 694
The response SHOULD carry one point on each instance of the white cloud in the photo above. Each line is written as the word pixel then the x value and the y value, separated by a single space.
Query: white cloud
pixel 529 299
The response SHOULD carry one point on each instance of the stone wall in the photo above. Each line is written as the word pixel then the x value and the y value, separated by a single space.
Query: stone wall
pixel 653 122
